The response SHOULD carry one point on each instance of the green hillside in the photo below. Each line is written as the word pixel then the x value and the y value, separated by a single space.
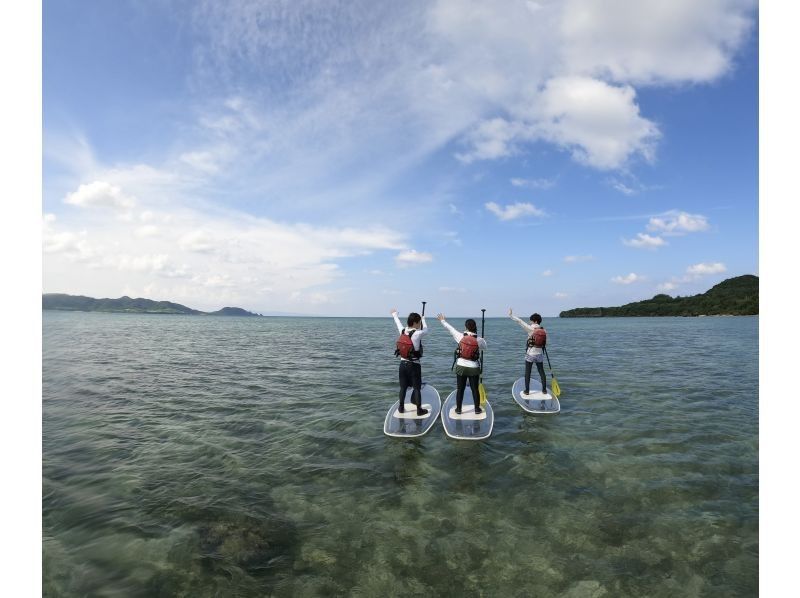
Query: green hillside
pixel 736 296
pixel 63 302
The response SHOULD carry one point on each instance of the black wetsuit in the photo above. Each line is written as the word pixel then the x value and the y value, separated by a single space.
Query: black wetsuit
pixel 411 375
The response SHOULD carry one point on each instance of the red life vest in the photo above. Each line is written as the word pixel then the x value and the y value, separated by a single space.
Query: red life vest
pixel 405 347
pixel 538 339
pixel 468 348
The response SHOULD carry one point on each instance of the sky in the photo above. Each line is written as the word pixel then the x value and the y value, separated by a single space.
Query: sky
pixel 346 158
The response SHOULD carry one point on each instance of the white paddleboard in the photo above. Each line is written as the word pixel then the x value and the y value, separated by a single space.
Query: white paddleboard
pixel 537 401
pixel 408 424
pixel 468 425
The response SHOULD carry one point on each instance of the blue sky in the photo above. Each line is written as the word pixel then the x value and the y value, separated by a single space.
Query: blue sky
pixel 346 158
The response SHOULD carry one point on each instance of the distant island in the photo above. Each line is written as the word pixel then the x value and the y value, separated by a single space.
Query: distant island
pixel 732 297
pixel 63 302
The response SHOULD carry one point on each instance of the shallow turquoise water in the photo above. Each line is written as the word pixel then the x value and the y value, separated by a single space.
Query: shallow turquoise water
pixel 188 456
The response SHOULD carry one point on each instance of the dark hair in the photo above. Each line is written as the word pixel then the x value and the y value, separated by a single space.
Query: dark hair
pixel 471 326
pixel 413 318
pixel 536 319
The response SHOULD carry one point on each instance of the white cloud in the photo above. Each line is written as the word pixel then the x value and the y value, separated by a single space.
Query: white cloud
pixel 452 289
pixel 693 273
pixel 513 211
pixel 454 209
pixel 599 123
pixel 547 273
pixel 199 241
pixel 675 222
pixel 572 259
pixel 412 256
pixel 99 194
pixel 706 269
pixel 645 241
pixel 494 138
pixel 540 183
pixel 622 187
pixel 627 279
pixel 202 259
pixel 493 75
pixel 651 41
pixel 560 295
pixel 148 230
pixel 204 161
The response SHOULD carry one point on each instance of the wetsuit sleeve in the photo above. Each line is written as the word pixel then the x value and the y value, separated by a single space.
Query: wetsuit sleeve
pixel 397 323
pixel 455 333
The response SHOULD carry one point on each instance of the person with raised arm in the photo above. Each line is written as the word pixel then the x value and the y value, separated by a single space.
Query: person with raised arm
pixel 537 339
pixel 409 350
pixel 467 361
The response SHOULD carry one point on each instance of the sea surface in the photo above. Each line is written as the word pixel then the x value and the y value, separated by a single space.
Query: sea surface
pixel 224 456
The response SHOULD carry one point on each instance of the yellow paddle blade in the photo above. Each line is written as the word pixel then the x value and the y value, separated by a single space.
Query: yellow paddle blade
pixel 554 386
pixel 482 393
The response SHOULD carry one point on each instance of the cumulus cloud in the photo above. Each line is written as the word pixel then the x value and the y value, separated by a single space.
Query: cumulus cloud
pixel 627 279
pixel 513 211
pixel 99 194
pixel 645 241
pixel 675 222
pixel 704 269
pixel 411 257
pixel 599 123
pixel 693 273
pixel 650 41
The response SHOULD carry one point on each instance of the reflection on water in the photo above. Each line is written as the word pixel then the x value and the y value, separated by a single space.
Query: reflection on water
pixel 189 456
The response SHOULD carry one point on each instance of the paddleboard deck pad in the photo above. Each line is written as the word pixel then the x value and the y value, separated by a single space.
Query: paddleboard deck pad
pixel 536 401
pixel 408 424
pixel 468 425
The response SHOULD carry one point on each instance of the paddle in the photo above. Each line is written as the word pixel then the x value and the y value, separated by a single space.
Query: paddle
pixel 553 382
pixel 481 387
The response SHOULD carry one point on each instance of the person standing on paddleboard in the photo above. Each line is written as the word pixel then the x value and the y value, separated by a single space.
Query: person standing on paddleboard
pixel 537 338
pixel 409 350
pixel 466 363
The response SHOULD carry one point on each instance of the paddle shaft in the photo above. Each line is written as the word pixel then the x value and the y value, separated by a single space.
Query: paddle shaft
pixel 548 359
pixel 483 322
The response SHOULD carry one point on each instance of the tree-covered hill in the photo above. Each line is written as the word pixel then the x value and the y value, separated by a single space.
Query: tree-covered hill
pixel 63 302
pixel 735 296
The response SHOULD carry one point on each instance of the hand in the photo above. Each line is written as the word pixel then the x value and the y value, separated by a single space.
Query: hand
pixel 510 312
pixel 440 317
pixel 394 311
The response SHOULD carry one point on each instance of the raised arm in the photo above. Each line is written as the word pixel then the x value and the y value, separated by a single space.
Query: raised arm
pixel 528 328
pixel 424 330
pixel 397 321
pixel 453 332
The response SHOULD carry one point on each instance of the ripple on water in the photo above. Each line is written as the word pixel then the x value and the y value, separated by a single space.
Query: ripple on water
pixel 225 456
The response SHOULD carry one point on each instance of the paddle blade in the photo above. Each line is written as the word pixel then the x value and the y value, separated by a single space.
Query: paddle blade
pixel 554 386
pixel 482 393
